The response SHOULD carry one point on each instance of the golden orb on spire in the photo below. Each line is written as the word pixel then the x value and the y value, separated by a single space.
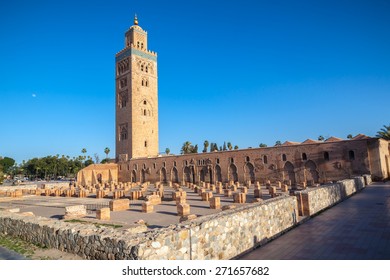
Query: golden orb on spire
pixel 135 20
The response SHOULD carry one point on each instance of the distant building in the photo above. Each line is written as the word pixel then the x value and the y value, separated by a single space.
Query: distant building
pixel 137 157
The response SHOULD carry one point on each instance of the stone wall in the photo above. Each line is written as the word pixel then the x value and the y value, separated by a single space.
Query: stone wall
pixel 311 201
pixel 219 236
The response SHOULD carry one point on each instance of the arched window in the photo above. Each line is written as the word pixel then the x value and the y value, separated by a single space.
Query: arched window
pixel 304 156
pixel 146 69
pixel 154 165
pixel 144 102
pixel 144 166
pixel 137 44
pixel 142 45
pixel 142 83
pixel 247 159
pixel 146 83
pixel 326 156
pixel 146 144
pixel 142 67
pixel 351 155
pixel 265 159
pixel 231 160
pixel 217 160
pixel 164 164
pixel 284 157
pixel 174 163
pixel 144 112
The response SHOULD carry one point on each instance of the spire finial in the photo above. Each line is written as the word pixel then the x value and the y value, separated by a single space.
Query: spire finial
pixel 135 20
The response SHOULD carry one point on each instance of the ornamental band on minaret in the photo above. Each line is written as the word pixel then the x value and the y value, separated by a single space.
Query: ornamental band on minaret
pixel 136 97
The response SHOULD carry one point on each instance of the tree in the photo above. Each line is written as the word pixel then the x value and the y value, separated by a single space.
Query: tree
pixel 97 158
pixel 88 162
pixel 195 149
pixel 224 146
pixel 262 145
pixel 278 143
pixel 236 147
pixel 107 151
pixel 7 163
pixel 384 133
pixel 167 151
pixel 205 146
pixel 186 148
pixel 349 136
pixel 229 146
pixel 84 151
pixel 321 138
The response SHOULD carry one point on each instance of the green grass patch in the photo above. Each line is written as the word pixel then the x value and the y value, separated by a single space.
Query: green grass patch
pixel 18 245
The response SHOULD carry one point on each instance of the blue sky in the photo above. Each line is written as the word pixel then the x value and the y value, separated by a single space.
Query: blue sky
pixel 247 72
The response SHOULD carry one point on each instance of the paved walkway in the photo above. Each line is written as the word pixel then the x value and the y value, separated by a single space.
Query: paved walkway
pixel 358 228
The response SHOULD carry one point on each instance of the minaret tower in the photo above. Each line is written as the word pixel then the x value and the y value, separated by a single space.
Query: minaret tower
pixel 136 97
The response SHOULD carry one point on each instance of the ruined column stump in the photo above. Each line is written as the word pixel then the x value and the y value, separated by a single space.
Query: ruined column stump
pixel 206 196
pixel 183 209
pixel 119 204
pixel 215 203
pixel 103 214
pixel 239 197
pixel 147 207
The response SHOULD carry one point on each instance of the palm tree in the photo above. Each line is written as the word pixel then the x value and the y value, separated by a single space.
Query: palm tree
pixel 384 133
pixel 84 150
pixel 186 148
pixel 262 145
pixel 205 145
pixel 236 147
pixel 349 136
pixel 107 151
pixel 321 138
pixel 278 143
pixel 229 146
pixel 167 151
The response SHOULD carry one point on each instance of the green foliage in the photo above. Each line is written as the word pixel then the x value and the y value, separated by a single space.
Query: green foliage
pixel 321 138
pixel 52 167
pixel 188 148
pixel 229 146
pixel 262 145
pixel 167 151
pixel 105 160
pixel 88 162
pixel 349 136
pixel 384 133
pixel 236 147
pixel 278 143
pixel 1 175
pixel 107 151
pixel 7 163
pixel 205 146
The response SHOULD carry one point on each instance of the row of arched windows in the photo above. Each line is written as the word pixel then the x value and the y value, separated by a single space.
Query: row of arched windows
pixel 145 82
pixel 123 66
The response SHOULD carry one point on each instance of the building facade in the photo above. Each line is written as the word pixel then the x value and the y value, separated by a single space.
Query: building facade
pixel 136 97
pixel 137 156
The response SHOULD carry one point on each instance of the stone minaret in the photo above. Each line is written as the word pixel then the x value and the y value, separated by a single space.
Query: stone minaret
pixel 136 97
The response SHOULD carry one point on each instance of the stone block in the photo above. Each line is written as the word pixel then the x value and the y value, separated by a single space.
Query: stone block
pixel 284 188
pixel 228 193
pixel 100 194
pixel 228 207
pixel 187 218
pixel 206 196
pixel 75 211
pixel 239 198
pixel 183 209
pixel 215 203
pixel 200 191
pixel 244 189
pixel 180 200
pixel 103 214
pixel 258 193
pixel 219 190
pixel 154 199
pixel 255 200
pixel 119 204
pixel 147 207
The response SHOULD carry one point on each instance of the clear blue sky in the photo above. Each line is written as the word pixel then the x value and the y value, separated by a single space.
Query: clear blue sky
pixel 240 71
